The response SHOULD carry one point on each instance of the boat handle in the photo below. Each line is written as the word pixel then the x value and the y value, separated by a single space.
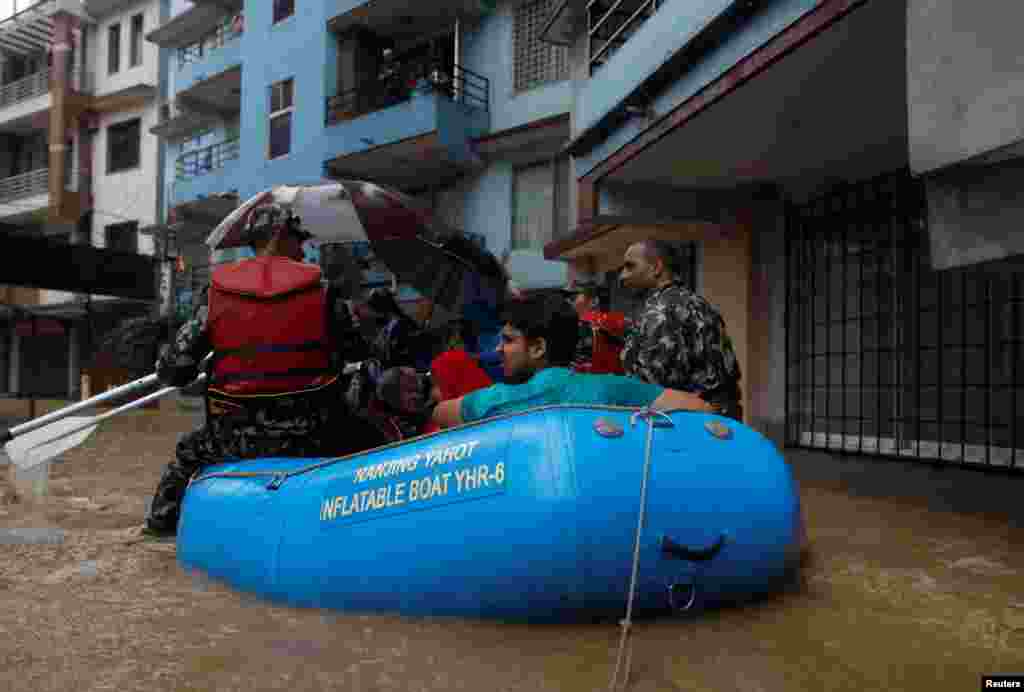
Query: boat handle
pixel 670 548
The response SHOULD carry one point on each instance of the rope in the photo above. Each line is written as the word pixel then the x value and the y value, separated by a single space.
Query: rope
pixel 625 642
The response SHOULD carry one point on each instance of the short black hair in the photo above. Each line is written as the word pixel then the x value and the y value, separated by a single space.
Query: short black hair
pixel 667 251
pixel 547 317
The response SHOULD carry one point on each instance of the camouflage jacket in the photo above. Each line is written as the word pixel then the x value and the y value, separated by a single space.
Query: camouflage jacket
pixel 678 340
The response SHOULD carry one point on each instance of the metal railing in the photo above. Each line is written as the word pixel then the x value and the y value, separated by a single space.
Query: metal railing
pixel 453 81
pixel 29 184
pixel 611 23
pixel 199 162
pixel 31 86
pixel 210 43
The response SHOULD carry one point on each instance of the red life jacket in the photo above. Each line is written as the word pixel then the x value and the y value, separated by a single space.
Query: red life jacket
pixel 268 329
pixel 609 328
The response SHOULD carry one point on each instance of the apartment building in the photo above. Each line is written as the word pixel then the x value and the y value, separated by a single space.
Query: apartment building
pixel 845 172
pixel 460 103
pixel 79 177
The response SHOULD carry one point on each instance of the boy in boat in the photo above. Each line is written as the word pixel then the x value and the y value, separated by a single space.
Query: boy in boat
pixel 274 387
pixel 538 343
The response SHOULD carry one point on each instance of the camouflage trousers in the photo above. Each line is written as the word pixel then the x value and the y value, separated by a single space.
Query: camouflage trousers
pixel 213 444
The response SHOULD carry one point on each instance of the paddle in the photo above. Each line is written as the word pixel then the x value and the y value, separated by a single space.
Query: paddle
pixel 30 449
pixel 35 423
pixel 41 445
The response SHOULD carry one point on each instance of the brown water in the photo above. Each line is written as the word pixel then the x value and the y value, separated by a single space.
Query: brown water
pixel 898 597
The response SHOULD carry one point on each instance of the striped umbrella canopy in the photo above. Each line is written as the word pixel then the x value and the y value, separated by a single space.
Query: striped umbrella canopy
pixel 400 232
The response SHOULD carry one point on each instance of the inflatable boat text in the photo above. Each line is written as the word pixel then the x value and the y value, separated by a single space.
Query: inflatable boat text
pixel 463 483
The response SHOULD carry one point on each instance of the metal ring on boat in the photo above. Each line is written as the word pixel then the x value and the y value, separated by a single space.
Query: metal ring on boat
pixel 673 598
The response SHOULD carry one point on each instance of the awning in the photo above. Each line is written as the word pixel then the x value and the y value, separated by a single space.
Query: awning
pixel 598 246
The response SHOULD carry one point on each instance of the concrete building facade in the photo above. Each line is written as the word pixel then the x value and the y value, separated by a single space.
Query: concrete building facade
pixel 78 91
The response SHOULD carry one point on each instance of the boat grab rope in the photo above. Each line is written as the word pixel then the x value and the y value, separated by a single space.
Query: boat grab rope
pixel 277 478
pixel 625 641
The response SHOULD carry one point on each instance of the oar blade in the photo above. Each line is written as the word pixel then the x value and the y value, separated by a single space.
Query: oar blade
pixel 39 446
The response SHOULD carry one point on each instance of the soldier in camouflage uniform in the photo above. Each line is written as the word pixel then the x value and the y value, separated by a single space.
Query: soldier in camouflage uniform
pixel 299 423
pixel 677 339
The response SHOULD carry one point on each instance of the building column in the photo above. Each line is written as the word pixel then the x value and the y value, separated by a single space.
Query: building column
pixel 14 362
pixel 63 204
pixel 74 360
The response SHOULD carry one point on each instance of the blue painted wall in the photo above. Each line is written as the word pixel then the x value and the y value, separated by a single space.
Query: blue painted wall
pixel 653 44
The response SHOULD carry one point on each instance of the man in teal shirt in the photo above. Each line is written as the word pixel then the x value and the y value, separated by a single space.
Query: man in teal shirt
pixel 537 346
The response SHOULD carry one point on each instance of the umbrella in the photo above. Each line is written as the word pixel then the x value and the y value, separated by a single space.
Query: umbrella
pixel 399 231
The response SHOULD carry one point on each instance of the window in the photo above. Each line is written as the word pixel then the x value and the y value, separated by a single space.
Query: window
pixel 283 9
pixel 280 119
pixel 136 48
pixel 123 237
pixel 114 48
pixel 536 62
pixel 123 144
pixel 540 209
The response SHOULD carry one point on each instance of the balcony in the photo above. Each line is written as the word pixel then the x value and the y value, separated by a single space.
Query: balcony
pixel 205 172
pixel 25 97
pixel 25 195
pixel 413 125
pixel 180 117
pixel 215 53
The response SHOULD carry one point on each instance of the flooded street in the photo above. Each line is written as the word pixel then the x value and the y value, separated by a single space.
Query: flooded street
pixel 898 596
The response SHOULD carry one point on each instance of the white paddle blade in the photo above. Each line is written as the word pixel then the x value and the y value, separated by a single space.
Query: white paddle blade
pixel 39 446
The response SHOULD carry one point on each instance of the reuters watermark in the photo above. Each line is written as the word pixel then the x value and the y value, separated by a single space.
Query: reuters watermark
pixel 1002 682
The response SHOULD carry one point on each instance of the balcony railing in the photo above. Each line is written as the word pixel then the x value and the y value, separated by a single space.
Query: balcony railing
pixel 29 184
pixel 611 23
pixel 224 34
pixel 453 81
pixel 35 84
pixel 199 162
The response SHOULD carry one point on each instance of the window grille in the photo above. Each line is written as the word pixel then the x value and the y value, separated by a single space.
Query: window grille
pixel 536 62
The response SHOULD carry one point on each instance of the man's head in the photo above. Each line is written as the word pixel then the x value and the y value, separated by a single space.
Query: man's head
pixel 539 332
pixel 272 231
pixel 649 264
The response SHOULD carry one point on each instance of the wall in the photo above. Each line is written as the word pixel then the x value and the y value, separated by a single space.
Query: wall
pixel 127 195
pixel 726 283
pixel 147 73
pixel 488 50
pixel 965 79
pixel 975 214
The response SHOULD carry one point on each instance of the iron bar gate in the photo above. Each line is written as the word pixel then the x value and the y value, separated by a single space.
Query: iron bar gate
pixel 886 356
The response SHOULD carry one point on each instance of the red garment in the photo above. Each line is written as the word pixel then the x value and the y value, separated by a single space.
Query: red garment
pixel 456 373
pixel 268 327
pixel 609 330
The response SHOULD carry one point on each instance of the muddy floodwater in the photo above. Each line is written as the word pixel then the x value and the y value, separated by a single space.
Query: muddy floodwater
pixel 899 595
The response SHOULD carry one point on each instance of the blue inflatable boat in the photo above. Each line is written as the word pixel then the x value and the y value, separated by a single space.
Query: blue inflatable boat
pixel 531 516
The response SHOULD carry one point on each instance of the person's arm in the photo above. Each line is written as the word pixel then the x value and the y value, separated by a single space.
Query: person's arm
pixel 673 399
pixel 178 364
pixel 448 413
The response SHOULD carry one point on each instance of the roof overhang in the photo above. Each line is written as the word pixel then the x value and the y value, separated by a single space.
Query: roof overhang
pixel 600 244
pixel 229 6
pixel 413 163
pixel 188 26
pixel 44 263
pixel 203 213
pixel 541 139
pixel 398 18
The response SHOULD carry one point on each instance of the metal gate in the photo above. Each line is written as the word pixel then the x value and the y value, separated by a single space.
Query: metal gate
pixel 886 356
